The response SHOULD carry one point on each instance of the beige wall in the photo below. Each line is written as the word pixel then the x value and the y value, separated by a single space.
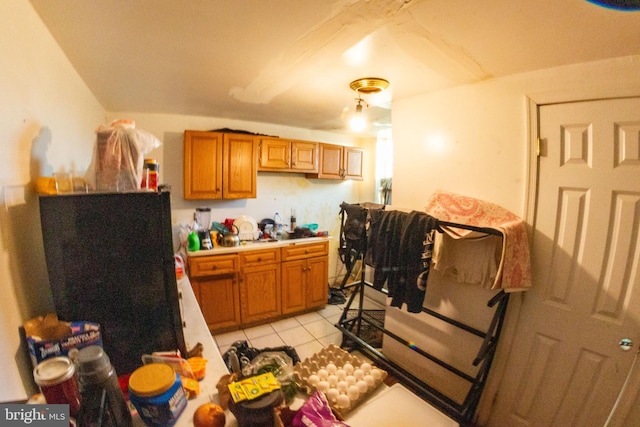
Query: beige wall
pixel 473 139
pixel 47 119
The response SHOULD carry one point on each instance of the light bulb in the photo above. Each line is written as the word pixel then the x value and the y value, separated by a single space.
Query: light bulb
pixel 358 123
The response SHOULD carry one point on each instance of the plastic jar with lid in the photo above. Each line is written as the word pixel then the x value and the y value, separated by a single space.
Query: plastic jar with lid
pixel 156 392
pixel 150 171
pixel 56 378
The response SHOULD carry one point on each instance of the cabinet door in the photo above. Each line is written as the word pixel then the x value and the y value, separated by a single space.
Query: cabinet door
pixel 330 161
pixel 219 301
pixel 203 165
pixel 274 154
pixel 317 281
pixel 304 156
pixel 293 286
pixel 260 293
pixel 353 163
pixel 240 154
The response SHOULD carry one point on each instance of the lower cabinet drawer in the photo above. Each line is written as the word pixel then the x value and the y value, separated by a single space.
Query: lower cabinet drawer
pixel 213 265
pixel 302 251
pixel 258 258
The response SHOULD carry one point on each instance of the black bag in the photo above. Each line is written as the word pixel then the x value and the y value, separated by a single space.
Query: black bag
pixel 246 353
pixel 353 233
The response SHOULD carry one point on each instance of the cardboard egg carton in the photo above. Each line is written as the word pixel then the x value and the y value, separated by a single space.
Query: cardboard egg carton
pixel 310 374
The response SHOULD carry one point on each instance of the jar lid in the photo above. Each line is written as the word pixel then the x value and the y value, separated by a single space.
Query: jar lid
pixel 152 379
pixel 53 371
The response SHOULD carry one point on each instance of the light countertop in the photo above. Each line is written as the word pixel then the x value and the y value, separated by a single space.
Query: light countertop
pixel 252 245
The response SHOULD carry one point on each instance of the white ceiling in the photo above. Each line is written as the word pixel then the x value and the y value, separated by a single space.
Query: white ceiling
pixel 290 62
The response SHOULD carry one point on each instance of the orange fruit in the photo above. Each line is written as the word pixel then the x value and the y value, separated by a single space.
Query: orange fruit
pixel 209 415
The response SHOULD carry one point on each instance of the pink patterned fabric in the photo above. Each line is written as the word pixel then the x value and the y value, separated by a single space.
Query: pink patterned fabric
pixel 514 272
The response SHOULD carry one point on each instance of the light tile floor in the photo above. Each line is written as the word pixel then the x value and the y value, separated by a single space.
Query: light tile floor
pixel 308 333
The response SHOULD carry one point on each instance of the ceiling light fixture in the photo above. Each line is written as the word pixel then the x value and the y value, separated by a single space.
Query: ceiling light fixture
pixel 367 86
pixel 358 122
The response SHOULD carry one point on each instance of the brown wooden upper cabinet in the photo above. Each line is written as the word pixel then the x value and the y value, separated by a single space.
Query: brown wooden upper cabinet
pixel 219 165
pixel 287 155
pixel 339 162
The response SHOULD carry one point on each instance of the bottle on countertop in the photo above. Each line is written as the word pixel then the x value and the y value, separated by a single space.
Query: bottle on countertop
pixel 293 220
pixel 277 226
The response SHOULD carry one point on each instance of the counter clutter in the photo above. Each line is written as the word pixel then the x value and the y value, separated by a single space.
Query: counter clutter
pixel 203 234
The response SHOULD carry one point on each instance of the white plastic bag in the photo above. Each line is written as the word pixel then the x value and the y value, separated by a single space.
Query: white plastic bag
pixel 118 156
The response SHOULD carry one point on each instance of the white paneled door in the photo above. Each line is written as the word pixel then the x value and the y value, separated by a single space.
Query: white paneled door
pixel 567 366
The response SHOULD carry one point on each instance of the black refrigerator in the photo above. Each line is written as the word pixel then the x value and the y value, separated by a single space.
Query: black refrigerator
pixel 110 261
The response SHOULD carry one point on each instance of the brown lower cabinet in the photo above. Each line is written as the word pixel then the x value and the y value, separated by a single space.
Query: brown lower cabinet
pixel 215 284
pixel 258 286
pixel 305 278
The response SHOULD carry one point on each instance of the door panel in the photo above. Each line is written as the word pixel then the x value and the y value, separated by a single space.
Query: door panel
pixel 566 367
pixel 317 281
pixel 293 286
pixel 260 293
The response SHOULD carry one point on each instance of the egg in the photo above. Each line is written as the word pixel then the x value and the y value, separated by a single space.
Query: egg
pixel 348 368
pixel 369 380
pixel 341 374
pixel 343 401
pixel 313 380
pixel 331 368
pixel 333 380
pixel 366 367
pixel 376 374
pixel 351 380
pixel 332 394
pixel 362 386
pixel 342 386
pixel 323 386
pixel 358 373
pixel 323 374
pixel 353 392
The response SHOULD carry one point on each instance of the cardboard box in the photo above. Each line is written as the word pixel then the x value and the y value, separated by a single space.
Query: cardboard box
pixel 83 335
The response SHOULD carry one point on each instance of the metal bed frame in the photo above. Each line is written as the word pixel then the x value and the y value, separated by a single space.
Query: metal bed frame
pixel 351 328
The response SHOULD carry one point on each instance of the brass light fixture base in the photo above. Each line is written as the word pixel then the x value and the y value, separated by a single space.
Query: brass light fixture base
pixel 369 85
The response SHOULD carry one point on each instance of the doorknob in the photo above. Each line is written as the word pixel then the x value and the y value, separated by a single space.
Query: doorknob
pixel 625 344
